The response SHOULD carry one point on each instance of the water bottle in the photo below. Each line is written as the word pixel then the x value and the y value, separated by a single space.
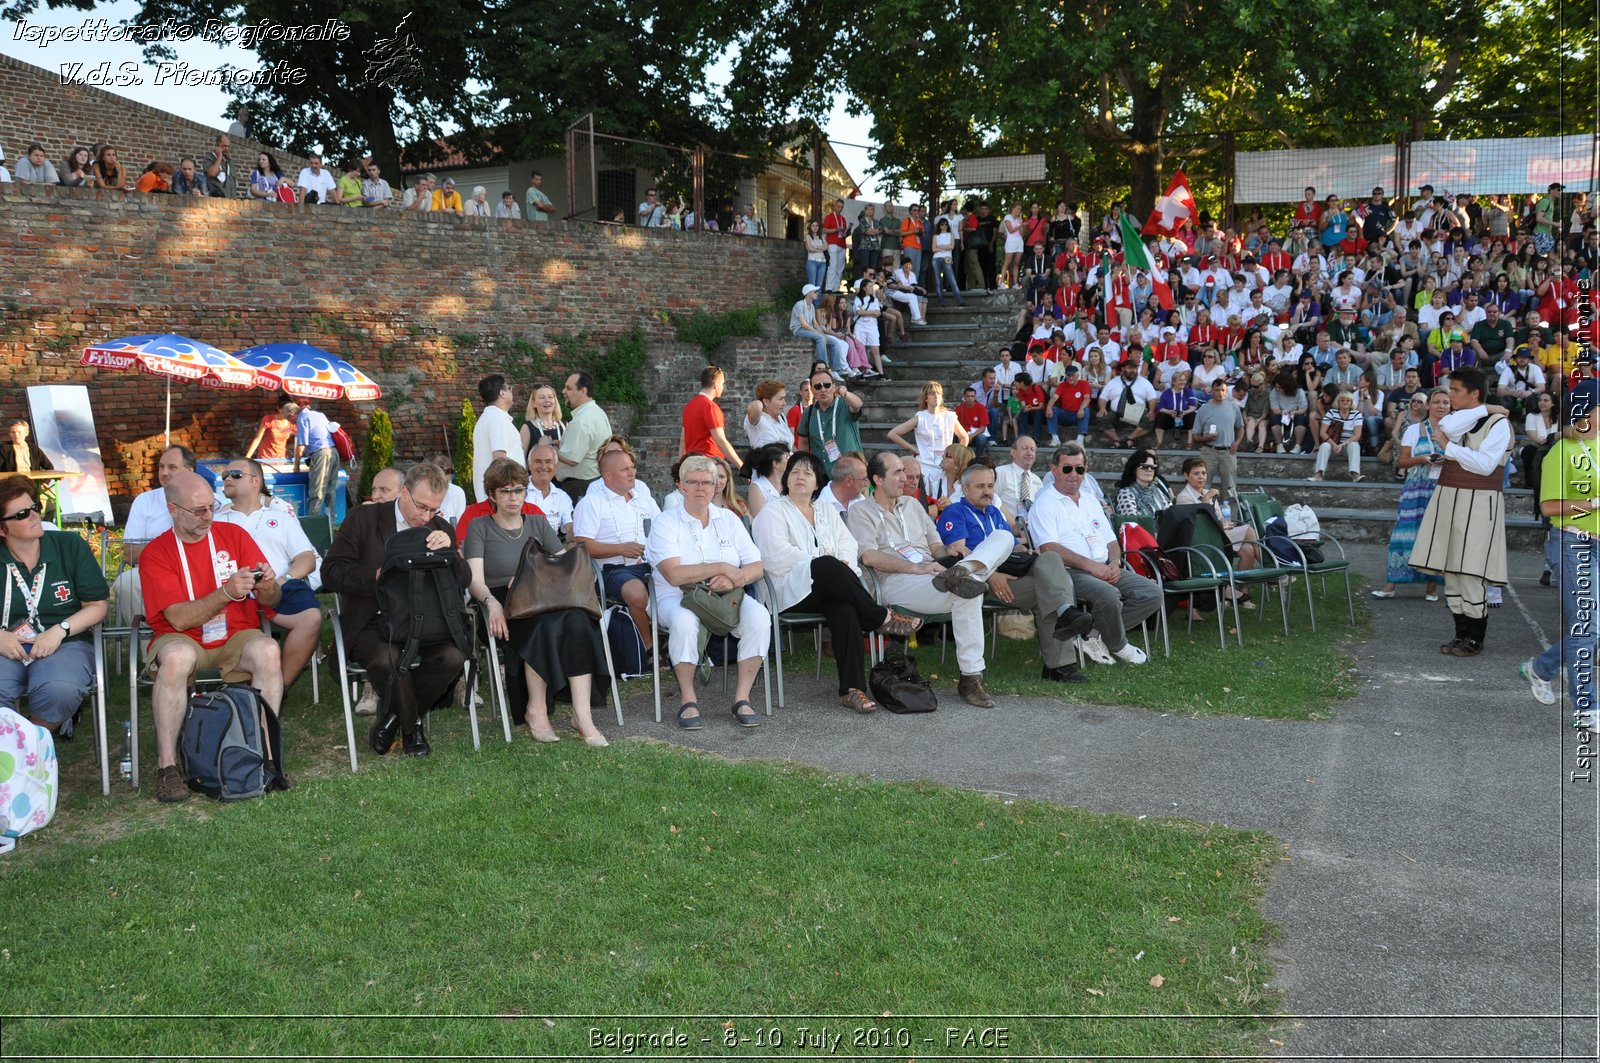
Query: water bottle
pixel 125 765
pixel 1227 510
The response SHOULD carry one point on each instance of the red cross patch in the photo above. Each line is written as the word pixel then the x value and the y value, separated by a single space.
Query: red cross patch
pixel 63 592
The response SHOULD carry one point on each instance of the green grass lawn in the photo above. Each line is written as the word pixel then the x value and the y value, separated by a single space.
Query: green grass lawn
pixel 493 890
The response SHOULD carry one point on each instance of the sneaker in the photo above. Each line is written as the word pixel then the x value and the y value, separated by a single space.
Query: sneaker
pixel 368 705
pixel 1132 654
pixel 170 786
pixel 1055 441
pixel 1543 692
pixel 1282 449
pixel 959 581
pixel 1544 578
pixel 1094 648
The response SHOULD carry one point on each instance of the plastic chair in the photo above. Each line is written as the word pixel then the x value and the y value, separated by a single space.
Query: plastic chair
pixel 789 619
pixel 99 695
pixel 1261 508
pixel 497 685
pixel 1208 535
pixel 203 678
pixel 1212 580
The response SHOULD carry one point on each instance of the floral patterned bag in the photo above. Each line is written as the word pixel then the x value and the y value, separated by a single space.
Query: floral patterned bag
pixel 28 777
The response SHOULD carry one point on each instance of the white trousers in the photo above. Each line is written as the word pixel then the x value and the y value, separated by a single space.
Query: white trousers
pixel 683 630
pixel 914 591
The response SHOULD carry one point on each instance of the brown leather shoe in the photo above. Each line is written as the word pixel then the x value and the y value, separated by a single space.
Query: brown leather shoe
pixel 971 690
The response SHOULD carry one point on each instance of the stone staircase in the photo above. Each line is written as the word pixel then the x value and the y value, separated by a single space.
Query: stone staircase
pixel 958 343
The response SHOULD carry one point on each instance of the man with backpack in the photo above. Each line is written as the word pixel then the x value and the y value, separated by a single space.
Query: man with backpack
pixel 203 585
pixel 410 675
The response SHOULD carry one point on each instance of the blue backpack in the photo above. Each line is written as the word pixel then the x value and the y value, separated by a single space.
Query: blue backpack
pixel 629 658
pixel 232 748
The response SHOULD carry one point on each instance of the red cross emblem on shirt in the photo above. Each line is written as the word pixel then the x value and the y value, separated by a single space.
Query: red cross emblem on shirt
pixel 63 592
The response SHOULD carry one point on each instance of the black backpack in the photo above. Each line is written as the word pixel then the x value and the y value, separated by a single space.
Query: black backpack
pixel 420 598
pixel 899 687
pixel 232 748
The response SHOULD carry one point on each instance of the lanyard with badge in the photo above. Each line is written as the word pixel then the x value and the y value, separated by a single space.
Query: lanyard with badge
pixel 830 438
pixel 28 630
pixel 214 630
pixel 910 552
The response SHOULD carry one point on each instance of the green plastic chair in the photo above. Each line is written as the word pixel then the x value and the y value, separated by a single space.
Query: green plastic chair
pixel 1212 578
pixel 1209 536
pixel 1261 508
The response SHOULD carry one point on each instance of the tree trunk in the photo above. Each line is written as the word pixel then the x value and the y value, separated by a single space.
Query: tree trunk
pixel 1144 173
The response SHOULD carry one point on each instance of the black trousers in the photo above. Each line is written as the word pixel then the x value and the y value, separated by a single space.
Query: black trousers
pixel 838 594
pixel 403 693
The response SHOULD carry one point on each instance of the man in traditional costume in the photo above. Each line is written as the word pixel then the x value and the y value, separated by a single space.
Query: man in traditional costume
pixel 1463 533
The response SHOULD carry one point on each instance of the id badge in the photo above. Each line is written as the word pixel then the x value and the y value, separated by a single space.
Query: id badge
pixel 1092 540
pixel 913 555
pixel 831 448
pixel 215 630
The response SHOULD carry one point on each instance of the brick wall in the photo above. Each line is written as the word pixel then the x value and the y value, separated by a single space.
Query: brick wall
pixel 40 109
pixel 425 304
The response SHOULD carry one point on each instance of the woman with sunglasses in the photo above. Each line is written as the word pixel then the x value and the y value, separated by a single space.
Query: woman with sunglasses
pixel 54 595
pixel 1141 492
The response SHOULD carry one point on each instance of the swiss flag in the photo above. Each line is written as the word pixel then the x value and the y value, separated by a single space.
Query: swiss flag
pixel 1172 209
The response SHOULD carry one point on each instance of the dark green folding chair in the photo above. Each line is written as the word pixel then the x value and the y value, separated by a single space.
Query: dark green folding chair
pixel 1208 534
pixel 1261 508
pixel 1207 573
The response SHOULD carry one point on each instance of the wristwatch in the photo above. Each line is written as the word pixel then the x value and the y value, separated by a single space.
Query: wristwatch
pixel 65 626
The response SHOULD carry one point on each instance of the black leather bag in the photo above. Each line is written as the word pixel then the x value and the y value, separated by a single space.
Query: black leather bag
pixel 897 686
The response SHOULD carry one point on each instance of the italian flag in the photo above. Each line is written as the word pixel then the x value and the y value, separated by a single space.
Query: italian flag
pixel 1137 256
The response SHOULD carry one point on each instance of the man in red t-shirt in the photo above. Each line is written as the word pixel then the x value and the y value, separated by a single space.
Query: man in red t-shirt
pixel 1069 406
pixel 1308 212
pixel 703 421
pixel 835 227
pixel 202 585
pixel 974 417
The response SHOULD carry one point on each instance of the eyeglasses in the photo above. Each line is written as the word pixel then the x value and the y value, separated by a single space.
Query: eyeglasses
pixel 1073 470
pixel 448 470
pixel 426 511
pixel 821 387
pixel 1149 465
pixel 698 483
pixel 196 512
pixel 509 491
pixel 235 474
pixel 24 514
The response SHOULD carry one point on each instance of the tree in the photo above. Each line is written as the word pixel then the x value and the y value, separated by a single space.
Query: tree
pixel 378 453
pixel 463 455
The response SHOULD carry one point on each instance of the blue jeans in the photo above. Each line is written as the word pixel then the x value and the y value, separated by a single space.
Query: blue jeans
pixel 915 255
pixel 1580 639
pixel 980 442
pixel 943 270
pixel 830 349
pixel 56 685
pixel 816 272
pixel 1030 423
pixel 1062 419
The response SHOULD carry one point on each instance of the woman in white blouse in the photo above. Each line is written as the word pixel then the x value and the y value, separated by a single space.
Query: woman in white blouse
pixel 766 476
pixel 934 426
pixel 811 558
pixel 698 542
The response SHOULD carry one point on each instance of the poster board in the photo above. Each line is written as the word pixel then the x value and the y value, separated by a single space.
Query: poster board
pixel 63 426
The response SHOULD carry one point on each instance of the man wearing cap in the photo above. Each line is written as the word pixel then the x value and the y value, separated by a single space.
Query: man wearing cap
pixel 1463 534
pixel 1218 429
pixel 1069 406
pixel 1122 395
pixel 803 324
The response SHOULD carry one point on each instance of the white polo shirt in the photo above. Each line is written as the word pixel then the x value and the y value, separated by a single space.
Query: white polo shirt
pixel 147 517
pixel 280 537
pixel 677 535
pixel 494 431
pixel 1080 526
pixel 556 506
pixel 607 517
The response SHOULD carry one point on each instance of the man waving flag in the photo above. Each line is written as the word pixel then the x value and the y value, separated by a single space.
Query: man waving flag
pixel 1137 255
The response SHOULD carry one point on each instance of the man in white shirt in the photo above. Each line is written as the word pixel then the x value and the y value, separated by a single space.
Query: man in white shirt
pixel 1005 373
pixel 1072 524
pixel 495 435
pixel 847 481
pixel 1120 392
pixel 1469 312
pixel 1522 380
pixel 316 184
pixel 555 503
pixel 900 543
pixel 611 521
pixel 1017 486
pixel 455 499
pixel 290 554
pixel 148 517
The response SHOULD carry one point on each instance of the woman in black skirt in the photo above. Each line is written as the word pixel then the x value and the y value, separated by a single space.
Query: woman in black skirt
pixel 560 650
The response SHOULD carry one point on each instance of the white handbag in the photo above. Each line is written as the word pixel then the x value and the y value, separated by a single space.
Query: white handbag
pixel 29 777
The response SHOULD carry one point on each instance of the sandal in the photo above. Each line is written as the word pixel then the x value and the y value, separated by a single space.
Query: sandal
pixel 748 717
pixel 858 701
pixel 899 626
pixel 689 723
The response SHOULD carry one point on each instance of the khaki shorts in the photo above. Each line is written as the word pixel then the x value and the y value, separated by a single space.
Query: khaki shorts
pixel 223 658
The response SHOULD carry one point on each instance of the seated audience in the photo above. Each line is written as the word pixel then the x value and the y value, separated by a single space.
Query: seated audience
pixel 767 464
pixel 812 560
pixel 698 542
pixel 611 520
pixel 34 168
pixel 1141 492
pixel 1242 537
pixel 54 595
pixel 560 649
pixel 554 503
pixel 204 585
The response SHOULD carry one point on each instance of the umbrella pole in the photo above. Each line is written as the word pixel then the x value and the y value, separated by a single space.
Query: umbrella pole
pixel 169 412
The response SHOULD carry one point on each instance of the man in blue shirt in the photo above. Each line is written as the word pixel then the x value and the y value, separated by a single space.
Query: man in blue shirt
pixel 313 437
pixel 1028 582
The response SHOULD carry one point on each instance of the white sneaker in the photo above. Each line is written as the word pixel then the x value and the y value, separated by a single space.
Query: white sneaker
pixel 368 705
pixel 1132 654
pixel 1094 648
pixel 1543 691
pixel 1055 441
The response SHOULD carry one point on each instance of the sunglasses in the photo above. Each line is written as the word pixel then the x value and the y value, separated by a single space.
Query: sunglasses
pixel 1150 465
pixel 234 474
pixel 24 514
pixel 1069 470
pixel 821 387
